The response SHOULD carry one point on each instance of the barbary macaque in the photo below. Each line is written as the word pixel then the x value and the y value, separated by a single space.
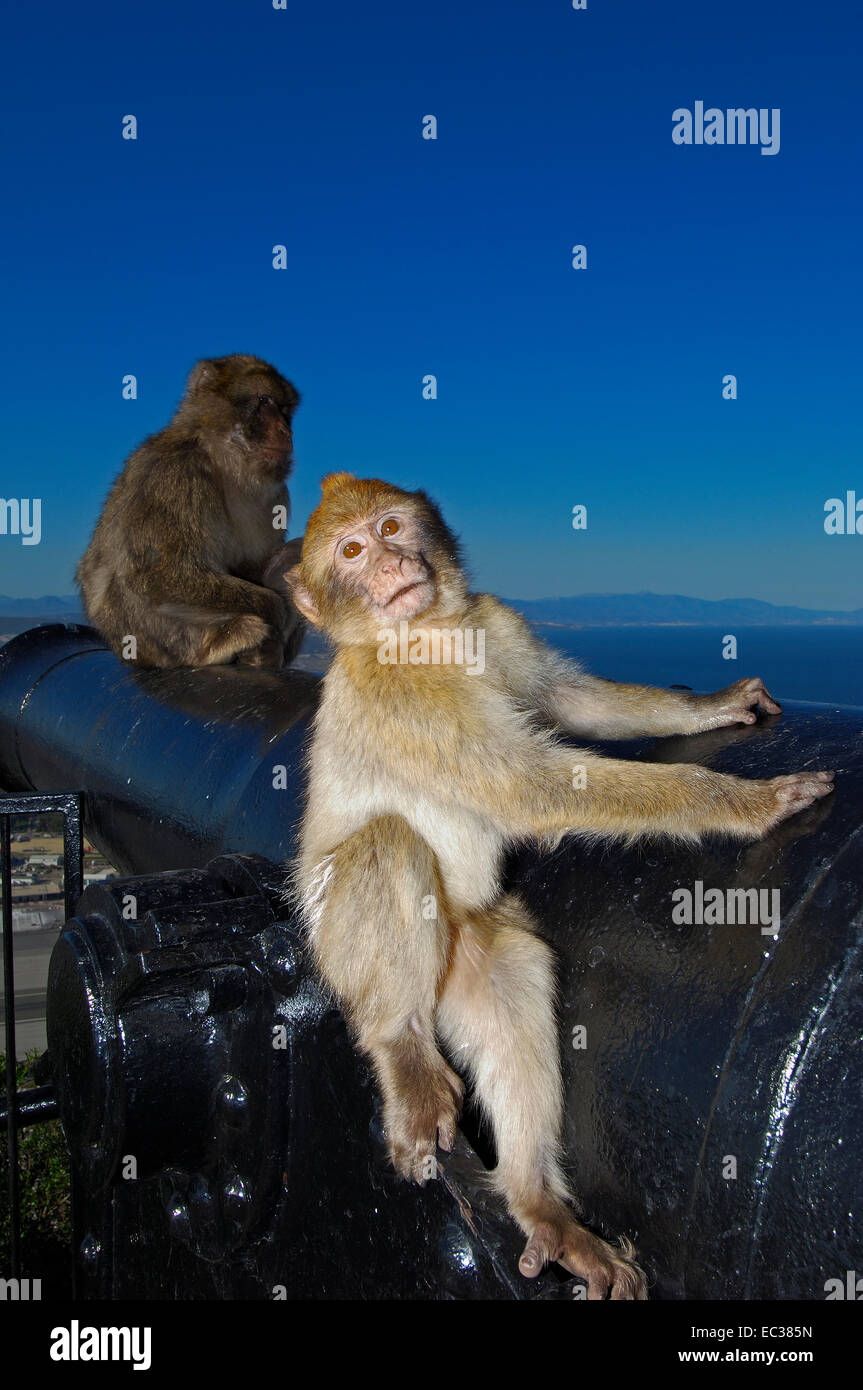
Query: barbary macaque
pixel 423 773
pixel 188 555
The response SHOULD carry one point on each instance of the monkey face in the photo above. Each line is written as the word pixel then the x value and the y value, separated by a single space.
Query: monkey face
pixel 267 422
pixel 382 563
pixel 243 407
pixel 375 555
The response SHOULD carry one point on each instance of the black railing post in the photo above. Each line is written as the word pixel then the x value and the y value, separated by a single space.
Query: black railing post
pixel 73 851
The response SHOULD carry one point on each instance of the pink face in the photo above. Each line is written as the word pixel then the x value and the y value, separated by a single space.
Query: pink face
pixel 382 561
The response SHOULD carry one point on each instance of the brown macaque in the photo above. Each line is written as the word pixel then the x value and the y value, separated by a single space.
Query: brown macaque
pixel 423 772
pixel 188 557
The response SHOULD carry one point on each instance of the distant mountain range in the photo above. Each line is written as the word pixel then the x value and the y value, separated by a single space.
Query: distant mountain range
pixel 600 610
pixel 582 610
pixel 49 606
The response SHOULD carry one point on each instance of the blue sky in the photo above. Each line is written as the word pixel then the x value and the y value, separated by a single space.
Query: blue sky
pixel 407 256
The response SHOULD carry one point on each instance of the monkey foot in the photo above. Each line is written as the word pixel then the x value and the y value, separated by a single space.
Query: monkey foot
pixel 604 1268
pixel 418 1124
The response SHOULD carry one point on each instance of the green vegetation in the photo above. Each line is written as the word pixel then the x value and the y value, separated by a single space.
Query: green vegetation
pixel 45 1209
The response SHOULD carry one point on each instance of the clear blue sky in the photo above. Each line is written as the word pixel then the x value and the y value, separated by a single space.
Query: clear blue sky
pixel 259 126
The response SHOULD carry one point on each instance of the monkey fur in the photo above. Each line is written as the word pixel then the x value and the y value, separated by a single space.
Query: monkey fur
pixel 422 775
pixel 187 556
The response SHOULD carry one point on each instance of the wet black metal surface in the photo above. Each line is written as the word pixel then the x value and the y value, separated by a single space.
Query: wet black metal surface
pixel 173 765
pixel 715 1041
pixel 209 1163
pixel 33 1106
pixel 704 1042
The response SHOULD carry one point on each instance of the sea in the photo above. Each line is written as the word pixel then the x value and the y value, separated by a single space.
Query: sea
pixel 796 662
pixel 823 663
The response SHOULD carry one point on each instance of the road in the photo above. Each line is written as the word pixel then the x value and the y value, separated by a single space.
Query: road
pixel 32 952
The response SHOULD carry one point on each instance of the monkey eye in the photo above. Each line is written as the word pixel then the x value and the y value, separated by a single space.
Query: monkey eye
pixel 266 400
pixel 351 549
pixel 389 527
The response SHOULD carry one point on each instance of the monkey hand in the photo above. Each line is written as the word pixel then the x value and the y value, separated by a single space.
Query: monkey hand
pixel 782 797
pixel 284 559
pixel 604 1269
pixel 737 703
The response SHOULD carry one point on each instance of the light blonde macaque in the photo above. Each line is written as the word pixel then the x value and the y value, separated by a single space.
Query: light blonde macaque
pixel 421 777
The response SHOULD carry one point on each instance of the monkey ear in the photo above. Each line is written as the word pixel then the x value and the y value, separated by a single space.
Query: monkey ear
pixel 301 596
pixel 203 375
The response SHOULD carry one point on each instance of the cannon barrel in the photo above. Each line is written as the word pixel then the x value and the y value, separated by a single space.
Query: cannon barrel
pixel 711 1014
pixel 173 765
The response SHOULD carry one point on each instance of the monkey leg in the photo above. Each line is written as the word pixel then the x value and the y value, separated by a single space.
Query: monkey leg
pixel 497 1011
pixel 231 619
pixel 377 928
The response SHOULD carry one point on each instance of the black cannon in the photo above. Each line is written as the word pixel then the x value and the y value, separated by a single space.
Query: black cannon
pixel 225 1136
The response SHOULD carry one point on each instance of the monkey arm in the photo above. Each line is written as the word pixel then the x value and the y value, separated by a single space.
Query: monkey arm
pixel 529 784
pixel 539 677
pixel 574 790
pixel 611 796
pixel 596 708
pixel 495 762
pixel 221 617
pixel 207 596
pixel 447 735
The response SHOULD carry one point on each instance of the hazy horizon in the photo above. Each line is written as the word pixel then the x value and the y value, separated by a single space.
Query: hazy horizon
pixel 73 602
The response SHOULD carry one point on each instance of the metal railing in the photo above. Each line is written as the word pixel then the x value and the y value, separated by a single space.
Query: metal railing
pixel 32 1106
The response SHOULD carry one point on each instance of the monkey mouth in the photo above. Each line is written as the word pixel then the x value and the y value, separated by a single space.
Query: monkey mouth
pixel 276 440
pixel 275 455
pixel 405 589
